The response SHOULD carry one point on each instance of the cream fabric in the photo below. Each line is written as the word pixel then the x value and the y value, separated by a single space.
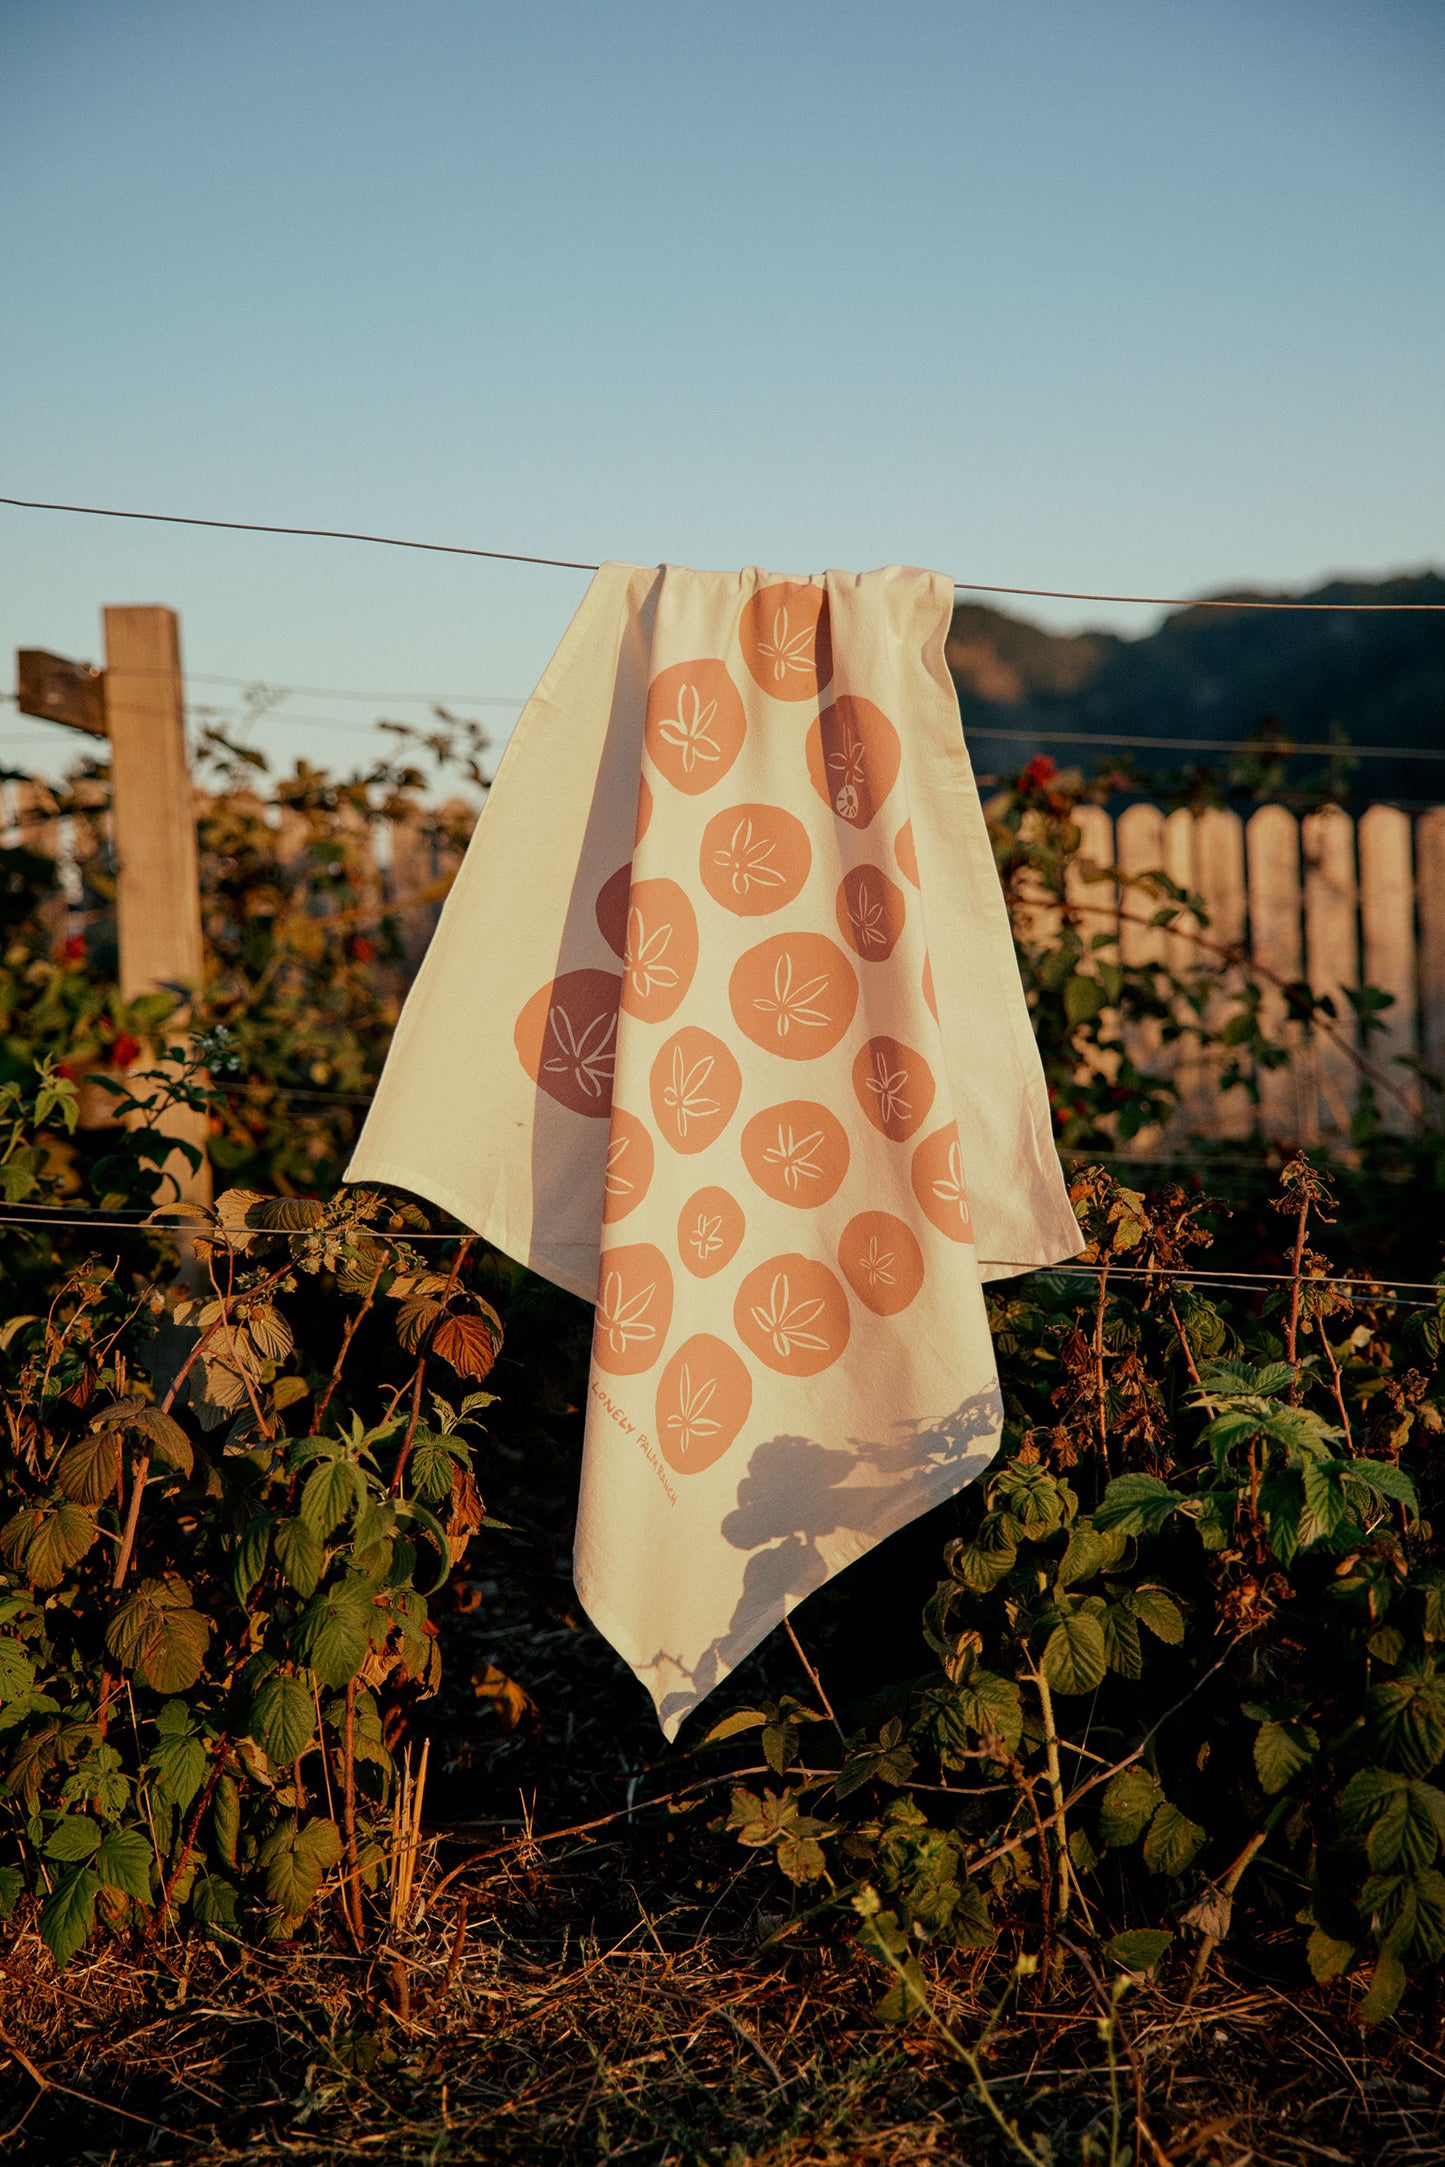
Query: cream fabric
pixel 722 1029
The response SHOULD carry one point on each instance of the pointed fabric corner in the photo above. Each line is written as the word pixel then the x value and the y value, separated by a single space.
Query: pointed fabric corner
pixel 722 1029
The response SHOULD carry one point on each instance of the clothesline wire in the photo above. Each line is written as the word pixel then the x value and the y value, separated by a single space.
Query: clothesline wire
pixel 1241 1281
pixel 572 564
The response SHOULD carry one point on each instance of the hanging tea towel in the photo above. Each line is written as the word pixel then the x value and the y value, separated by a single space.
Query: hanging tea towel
pixel 722 1030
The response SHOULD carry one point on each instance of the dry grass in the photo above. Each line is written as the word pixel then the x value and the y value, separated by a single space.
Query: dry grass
pixel 571 2010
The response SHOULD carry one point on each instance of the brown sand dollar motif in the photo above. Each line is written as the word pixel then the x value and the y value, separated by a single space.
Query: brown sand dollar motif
pixel 661 952
pixel 695 724
pixel 905 851
pixel 703 1399
pixel 871 911
pixel 710 1230
pixel 794 994
pixel 797 1153
pixel 853 758
pixel 695 1085
pixel 634 1309
pixel 566 1037
pixel 754 859
pixel 937 1176
pixel 783 633
pixel 610 909
pixel 628 1172
pixel 793 1314
pixel 894 1086
pixel 881 1262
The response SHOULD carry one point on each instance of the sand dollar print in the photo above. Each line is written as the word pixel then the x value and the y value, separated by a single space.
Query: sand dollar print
pixel 566 1039
pixel 634 1309
pixel 794 994
pixel 894 1086
pixel 906 852
pixel 881 1261
pixel 938 1184
pixel 703 1399
pixel 797 1153
pixel 754 859
pixel 853 758
pixel 661 951
pixel 871 911
pixel 644 810
pixel 628 1171
pixel 695 1085
pixel 792 1313
pixel 928 993
pixel 783 633
pixel 695 725
pixel 610 909
pixel 710 1230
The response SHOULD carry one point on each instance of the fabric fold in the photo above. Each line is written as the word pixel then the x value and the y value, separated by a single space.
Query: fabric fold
pixel 722 1029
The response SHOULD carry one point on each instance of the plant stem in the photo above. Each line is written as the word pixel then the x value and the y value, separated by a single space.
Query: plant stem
pixel 1101 1303
pixel 348 1771
pixel 1339 1387
pixel 1056 1788
pixel 1291 1333
pixel 346 1338
pixel 411 1428
pixel 188 1839
pixel 813 1675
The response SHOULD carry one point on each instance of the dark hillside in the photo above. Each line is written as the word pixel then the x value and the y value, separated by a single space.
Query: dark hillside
pixel 1218 674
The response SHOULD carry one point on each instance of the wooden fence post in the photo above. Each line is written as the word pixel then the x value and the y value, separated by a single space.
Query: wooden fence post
pixel 1271 842
pixel 1387 931
pixel 153 833
pixel 1332 957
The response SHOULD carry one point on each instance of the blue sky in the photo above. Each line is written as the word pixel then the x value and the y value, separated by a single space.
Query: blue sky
pixel 1134 295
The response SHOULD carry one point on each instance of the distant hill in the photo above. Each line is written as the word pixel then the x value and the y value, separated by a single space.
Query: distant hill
pixel 1216 674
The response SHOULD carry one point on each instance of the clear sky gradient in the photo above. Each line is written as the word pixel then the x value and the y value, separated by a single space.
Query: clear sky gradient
pixel 1134 295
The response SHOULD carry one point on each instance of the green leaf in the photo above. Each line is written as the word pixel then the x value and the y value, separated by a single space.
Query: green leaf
pixel 300 1555
pixel 1140 1949
pixel 72 1839
pixel 12 1881
pixel 332 1635
pixel 1388 1981
pixel 89 1470
pixel 166 1439
pixel 1129 1803
pixel 1074 1658
pixel 124 1862
pixel 1083 999
pixel 1407 1720
pixel 1157 1609
pixel 1171 1840
pixel 1386 1481
pixel 46 1540
pixel 1327 1958
pixel 160 1635
pixel 986 1705
pixel 1281 1750
pixel 283 1718
pixel 297 1860
pixel 251 1554
pixel 180 1766
pixel 17 1672
pixel 1121 1640
pixel 330 1493
pixel 1088 1554
pixel 431 1465
pixel 1401 1818
pixel 215 1904
pixel 68 1915
pixel 741 1719
pixel 1326 1508
pixel 226 1817
pixel 1136 1505
pixel 270 1333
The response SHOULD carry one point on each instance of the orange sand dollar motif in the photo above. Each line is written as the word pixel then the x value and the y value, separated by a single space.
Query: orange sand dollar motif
pixel 894 1086
pixel 634 1309
pixel 628 1171
pixel 754 859
pixel 644 810
pixel 661 952
pixel 783 633
pixel 881 1262
pixel 695 1086
pixel 793 1314
pixel 794 994
pixel 937 1176
pixel 695 725
pixel 710 1230
pixel 610 909
pixel 928 993
pixel 566 1038
pixel 853 758
pixel 797 1153
pixel 871 911
pixel 905 851
pixel 703 1400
